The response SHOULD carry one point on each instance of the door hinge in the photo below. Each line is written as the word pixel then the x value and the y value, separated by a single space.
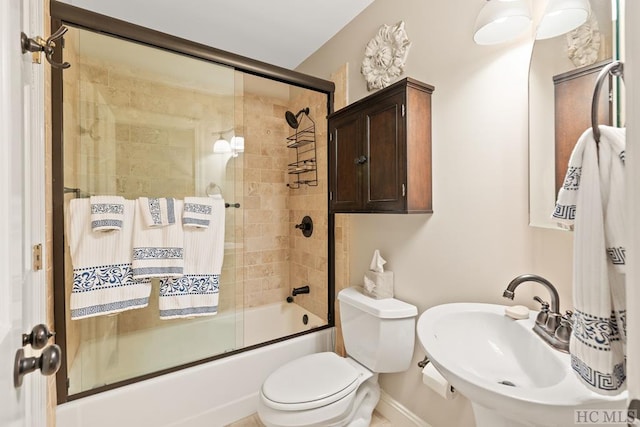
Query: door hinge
pixel 331 137
pixel 330 195
pixel 37 257
pixel 404 190
pixel 402 110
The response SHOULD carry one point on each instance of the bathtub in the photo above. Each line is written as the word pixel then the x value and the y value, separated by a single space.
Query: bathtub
pixel 272 321
pixel 207 395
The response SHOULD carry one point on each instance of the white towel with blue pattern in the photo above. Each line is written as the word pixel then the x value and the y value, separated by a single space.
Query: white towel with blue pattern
pixel 157 251
pixel 158 211
pixel 197 212
pixel 102 277
pixel 107 213
pixel 595 180
pixel 196 293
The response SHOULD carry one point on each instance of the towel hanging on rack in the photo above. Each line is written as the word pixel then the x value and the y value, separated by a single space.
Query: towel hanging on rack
pixel 107 213
pixel 157 251
pixel 592 198
pixel 196 293
pixel 197 212
pixel 157 212
pixel 103 280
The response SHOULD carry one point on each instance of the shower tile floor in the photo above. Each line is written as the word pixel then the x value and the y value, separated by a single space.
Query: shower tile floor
pixel 377 420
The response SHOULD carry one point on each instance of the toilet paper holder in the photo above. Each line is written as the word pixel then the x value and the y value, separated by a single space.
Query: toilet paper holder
pixel 424 362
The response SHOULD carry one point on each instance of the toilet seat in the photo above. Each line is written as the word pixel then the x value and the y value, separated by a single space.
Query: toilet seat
pixel 310 382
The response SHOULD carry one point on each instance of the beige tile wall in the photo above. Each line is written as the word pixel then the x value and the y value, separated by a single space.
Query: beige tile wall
pixel 266 202
pixel 309 255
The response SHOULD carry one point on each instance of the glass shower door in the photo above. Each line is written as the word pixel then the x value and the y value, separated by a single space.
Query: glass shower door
pixel 142 122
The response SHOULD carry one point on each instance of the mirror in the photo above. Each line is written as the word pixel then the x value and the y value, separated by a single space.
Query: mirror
pixel 562 75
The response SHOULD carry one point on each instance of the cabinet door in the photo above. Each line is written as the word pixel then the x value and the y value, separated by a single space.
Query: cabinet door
pixel 385 150
pixel 345 151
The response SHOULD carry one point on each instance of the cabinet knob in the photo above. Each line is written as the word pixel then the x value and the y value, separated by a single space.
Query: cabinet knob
pixel 360 160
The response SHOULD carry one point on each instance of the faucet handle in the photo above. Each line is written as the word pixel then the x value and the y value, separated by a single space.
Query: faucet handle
pixel 544 304
pixel 543 316
pixel 563 333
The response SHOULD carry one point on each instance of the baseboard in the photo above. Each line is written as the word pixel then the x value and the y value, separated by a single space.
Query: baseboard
pixel 397 413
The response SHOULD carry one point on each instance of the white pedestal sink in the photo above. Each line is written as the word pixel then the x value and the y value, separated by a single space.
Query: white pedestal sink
pixel 510 375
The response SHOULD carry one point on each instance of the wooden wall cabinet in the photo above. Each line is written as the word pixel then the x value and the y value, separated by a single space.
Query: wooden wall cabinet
pixel 380 152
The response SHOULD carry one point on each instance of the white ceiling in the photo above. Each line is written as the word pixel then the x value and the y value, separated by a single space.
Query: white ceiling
pixel 278 32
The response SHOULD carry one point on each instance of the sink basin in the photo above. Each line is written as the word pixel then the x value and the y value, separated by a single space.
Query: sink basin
pixel 512 377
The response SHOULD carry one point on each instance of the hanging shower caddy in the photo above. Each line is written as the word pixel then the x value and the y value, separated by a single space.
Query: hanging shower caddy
pixel 304 170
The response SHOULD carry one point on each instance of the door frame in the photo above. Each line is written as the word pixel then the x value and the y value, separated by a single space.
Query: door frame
pixel 26 110
pixel 35 309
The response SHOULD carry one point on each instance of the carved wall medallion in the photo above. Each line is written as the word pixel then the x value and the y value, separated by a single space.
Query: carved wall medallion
pixel 583 43
pixel 385 56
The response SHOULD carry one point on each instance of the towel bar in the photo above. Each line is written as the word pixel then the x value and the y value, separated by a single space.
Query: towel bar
pixel 616 68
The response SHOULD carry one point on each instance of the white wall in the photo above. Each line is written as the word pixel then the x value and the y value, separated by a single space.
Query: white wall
pixel 477 239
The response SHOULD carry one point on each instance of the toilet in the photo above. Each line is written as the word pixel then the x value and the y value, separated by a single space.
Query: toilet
pixel 324 389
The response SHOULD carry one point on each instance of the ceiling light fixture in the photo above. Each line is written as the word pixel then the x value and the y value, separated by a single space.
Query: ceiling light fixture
pixel 501 20
pixel 562 16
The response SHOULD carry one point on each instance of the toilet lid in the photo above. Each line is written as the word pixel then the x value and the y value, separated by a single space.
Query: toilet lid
pixel 310 382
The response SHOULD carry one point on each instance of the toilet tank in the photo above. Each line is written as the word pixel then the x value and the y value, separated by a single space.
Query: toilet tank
pixel 378 333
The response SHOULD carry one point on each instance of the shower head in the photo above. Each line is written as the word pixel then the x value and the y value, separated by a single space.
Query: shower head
pixel 292 119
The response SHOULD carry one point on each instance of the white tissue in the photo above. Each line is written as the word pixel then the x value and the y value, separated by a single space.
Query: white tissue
pixel 436 382
pixel 378 283
pixel 377 262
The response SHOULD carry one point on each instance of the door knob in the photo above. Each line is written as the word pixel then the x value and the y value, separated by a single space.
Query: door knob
pixel 49 362
pixel 38 337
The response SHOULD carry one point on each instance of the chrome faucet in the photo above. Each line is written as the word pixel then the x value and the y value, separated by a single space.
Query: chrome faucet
pixel 550 325
pixel 555 298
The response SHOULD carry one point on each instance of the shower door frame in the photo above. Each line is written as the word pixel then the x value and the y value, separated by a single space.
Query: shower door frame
pixel 62 13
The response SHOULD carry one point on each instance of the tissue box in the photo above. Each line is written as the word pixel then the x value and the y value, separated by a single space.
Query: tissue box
pixel 384 284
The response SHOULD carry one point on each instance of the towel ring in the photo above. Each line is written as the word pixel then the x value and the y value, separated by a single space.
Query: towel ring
pixel 616 68
pixel 213 189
